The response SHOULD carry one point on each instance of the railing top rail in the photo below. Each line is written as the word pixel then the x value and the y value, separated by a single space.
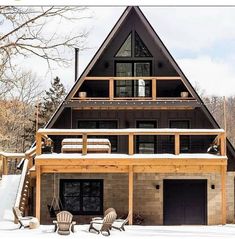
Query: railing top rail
pixel 133 77
pixel 134 131
pixel 12 155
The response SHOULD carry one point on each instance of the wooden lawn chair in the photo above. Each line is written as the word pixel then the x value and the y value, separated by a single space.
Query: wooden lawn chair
pixel 104 225
pixel 64 223
pixel 23 221
pixel 105 213
pixel 120 223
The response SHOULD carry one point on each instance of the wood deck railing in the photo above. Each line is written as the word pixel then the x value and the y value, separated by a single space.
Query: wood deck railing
pixel 130 133
pixel 111 89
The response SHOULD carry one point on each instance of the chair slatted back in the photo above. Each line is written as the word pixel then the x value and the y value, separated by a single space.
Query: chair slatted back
pixel 64 220
pixel 109 210
pixel 108 221
pixel 64 216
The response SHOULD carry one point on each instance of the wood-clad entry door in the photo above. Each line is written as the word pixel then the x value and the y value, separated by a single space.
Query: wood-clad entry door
pixel 185 202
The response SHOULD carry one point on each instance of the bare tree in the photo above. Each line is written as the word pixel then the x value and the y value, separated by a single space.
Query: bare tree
pixel 16 109
pixel 26 31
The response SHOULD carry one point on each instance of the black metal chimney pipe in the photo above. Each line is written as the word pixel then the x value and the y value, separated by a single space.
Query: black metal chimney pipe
pixel 76 63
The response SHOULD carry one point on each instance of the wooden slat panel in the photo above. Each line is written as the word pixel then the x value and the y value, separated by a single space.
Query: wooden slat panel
pixel 123 161
pixel 85 169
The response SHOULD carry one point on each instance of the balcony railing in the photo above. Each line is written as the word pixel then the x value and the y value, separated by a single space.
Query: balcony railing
pixel 174 90
pixel 219 134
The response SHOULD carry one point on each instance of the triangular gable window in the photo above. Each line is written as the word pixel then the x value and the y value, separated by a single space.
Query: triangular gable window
pixel 140 49
pixel 125 50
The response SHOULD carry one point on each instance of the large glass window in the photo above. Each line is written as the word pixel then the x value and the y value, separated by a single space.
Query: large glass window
pixel 82 196
pixel 126 48
pixel 146 144
pixel 184 140
pixel 130 88
pixel 101 124
pixel 140 49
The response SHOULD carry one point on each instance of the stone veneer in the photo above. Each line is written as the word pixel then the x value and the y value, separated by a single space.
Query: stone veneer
pixel 148 201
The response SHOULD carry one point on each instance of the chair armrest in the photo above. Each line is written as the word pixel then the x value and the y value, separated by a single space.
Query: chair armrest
pixel 96 218
pixel 54 222
pixel 26 218
pixel 73 223
pixel 119 220
pixel 96 222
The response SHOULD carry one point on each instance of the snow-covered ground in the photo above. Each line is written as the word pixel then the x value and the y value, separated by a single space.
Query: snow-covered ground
pixel 8 190
pixel 9 230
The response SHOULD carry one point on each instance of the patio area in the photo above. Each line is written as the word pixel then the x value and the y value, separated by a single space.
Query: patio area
pixel 10 230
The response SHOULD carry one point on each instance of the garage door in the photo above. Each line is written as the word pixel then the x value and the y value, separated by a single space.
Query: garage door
pixel 185 202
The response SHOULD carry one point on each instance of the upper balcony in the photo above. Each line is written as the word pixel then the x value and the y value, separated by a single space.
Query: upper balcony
pixel 154 91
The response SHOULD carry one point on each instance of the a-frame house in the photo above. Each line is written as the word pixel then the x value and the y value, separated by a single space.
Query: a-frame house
pixel 134 135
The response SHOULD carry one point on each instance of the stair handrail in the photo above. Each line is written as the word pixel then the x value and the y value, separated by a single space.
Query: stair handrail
pixel 21 183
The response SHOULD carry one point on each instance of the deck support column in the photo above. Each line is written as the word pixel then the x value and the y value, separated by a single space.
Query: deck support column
pixel 130 198
pixel 84 144
pixel 223 194
pixel 38 192
pixel 177 144
pixel 4 165
pixel 131 144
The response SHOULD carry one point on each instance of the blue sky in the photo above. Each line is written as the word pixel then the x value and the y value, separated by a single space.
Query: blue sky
pixel 201 39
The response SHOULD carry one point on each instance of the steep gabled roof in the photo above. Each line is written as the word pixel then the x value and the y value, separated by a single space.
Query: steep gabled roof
pixel 165 51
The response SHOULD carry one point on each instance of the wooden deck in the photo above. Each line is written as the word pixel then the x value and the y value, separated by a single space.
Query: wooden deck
pixel 131 163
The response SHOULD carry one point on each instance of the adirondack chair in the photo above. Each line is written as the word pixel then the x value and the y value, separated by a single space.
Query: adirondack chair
pixel 23 221
pixel 120 223
pixel 104 225
pixel 64 223
pixel 105 213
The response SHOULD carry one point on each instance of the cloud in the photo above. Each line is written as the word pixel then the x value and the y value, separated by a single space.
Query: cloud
pixel 192 28
pixel 215 76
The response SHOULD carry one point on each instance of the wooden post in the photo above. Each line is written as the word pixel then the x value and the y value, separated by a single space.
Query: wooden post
pixel 131 144
pixel 38 144
pixel 84 144
pixel 111 89
pixel 38 192
pixel 223 194
pixel 225 127
pixel 154 89
pixel 177 144
pixel 130 195
pixel 223 144
pixel 4 165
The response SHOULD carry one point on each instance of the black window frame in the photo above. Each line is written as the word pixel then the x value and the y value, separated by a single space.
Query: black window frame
pixel 113 139
pixel 138 138
pixel 133 62
pixel 82 181
pixel 130 34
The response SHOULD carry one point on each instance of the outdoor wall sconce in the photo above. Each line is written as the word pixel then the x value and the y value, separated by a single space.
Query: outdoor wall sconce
pixel 160 64
pixel 106 64
pixel 157 186
pixel 212 186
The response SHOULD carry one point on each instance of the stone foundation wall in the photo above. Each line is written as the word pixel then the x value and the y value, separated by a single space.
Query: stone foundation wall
pixel 148 201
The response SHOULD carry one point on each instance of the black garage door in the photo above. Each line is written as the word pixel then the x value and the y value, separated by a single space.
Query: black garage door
pixel 185 202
